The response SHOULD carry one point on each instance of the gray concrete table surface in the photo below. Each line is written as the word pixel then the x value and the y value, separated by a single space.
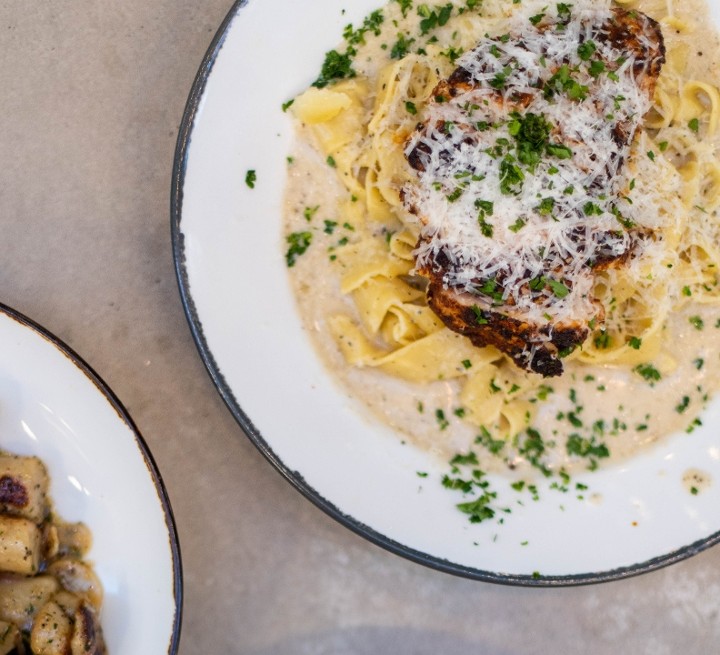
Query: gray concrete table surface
pixel 91 97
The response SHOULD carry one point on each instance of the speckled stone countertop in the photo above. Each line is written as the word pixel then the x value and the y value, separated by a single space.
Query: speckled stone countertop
pixel 92 94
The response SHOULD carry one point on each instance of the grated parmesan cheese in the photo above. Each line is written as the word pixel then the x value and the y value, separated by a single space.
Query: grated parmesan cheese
pixel 535 229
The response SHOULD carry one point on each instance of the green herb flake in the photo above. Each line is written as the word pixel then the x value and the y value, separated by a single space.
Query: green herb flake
pixel 405 6
pixel 558 288
pixel 560 151
pixel 683 405
pixel 309 212
pixel 697 322
pixel 546 206
pixel 335 66
pixel 298 243
pixel 597 68
pixel 251 178
pixel 586 50
pixel 635 343
pixel 648 372
pixel 478 509
pixel 443 423
pixel 480 318
pixel 401 47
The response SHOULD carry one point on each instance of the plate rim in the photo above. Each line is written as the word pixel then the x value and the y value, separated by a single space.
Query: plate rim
pixel 148 459
pixel 295 478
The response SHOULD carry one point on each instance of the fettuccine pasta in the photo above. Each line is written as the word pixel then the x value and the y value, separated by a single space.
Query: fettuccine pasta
pixel 356 128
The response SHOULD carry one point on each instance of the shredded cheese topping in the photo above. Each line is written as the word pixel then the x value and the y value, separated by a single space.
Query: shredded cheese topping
pixel 523 177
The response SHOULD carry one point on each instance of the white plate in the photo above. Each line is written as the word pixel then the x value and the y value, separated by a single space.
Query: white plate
pixel 227 242
pixel 54 406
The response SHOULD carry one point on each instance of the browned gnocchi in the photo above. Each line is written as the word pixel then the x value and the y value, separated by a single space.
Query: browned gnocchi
pixel 50 597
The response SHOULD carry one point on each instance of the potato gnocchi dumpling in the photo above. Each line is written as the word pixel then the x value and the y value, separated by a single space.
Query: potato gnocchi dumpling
pixel 50 598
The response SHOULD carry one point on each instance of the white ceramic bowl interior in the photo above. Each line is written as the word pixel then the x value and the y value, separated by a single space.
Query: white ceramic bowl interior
pixel 52 405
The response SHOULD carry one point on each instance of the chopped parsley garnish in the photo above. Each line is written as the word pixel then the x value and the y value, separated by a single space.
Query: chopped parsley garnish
pixel 586 447
pixel 531 132
pixel 498 82
pixel 479 315
pixel 635 343
pixel 648 372
pixel 694 125
pixel 298 243
pixel 558 288
pixel 485 206
pixel 546 206
pixel 335 67
pixel 454 195
pixel 564 11
pixel 490 288
pixel 467 478
pixel 560 151
pixel 478 509
pixel 433 19
pixel 309 212
pixel 697 322
pixel 371 23
pixel 486 439
pixel 288 104
pixel 683 405
pixel 251 178
pixel 401 47
pixel 586 50
pixel 331 161
pixel 597 68
pixel 405 6
pixel 591 209
pixel 563 82
pixel 443 423
pixel 511 176
pixel 486 228
pixel 329 226
pixel 602 340
pixel 410 108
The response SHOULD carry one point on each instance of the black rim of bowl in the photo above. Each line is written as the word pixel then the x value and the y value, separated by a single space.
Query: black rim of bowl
pixel 142 446
pixel 294 477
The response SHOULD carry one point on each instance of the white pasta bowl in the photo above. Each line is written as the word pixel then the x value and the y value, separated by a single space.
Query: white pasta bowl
pixel 53 406
pixel 228 248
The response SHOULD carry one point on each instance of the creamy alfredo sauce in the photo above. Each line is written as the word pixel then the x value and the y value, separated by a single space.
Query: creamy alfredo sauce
pixel 598 404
